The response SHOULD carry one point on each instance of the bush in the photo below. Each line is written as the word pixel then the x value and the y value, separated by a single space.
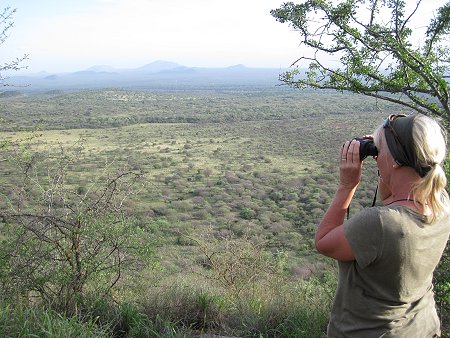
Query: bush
pixel 247 213
pixel 265 309
pixel 57 243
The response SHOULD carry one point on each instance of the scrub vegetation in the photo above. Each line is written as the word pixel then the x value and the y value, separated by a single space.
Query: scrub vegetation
pixel 173 213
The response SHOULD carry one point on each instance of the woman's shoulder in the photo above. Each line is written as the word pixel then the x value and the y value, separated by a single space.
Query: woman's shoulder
pixel 387 217
pixel 367 219
pixel 398 218
pixel 372 214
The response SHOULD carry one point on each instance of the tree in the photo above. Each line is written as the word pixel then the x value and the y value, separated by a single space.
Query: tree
pixel 235 264
pixel 61 240
pixel 6 24
pixel 373 40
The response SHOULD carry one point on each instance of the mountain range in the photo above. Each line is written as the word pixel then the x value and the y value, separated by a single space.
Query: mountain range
pixel 155 75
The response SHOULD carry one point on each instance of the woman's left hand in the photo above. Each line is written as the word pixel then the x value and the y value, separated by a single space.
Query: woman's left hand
pixel 350 165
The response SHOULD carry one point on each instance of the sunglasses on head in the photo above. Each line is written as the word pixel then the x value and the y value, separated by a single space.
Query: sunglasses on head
pixel 388 124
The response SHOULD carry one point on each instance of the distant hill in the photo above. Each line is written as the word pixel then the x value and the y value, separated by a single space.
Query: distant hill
pixel 155 75
pixel 10 93
pixel 102 68
pixel 158 66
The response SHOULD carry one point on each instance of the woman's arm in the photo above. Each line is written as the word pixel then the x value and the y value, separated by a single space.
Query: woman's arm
pixel 330 237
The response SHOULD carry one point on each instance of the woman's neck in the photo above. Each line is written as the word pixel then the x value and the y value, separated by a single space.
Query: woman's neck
pixel 409 202
pixel 402 200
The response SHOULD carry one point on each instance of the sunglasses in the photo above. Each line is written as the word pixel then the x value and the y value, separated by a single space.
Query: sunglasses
pixel 388 124
pixel 389 127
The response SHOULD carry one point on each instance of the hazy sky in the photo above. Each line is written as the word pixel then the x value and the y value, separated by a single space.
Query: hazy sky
pixel 76 34
pixel 70 35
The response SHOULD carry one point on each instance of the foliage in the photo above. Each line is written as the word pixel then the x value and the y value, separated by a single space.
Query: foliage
pixel 277 173
pixel 186 310
pixel 97 109
pixel 442 289
pixel 377 53
pixel 442 274
pixel 310 317
pixel 60 241
pixel 292 308
pixel 236 264
pixel 20 321
pixel 6 24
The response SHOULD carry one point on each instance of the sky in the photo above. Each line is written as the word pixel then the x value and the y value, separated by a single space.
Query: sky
pixel 73 35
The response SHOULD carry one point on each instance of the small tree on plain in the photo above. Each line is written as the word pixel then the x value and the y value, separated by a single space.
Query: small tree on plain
pixel 61 241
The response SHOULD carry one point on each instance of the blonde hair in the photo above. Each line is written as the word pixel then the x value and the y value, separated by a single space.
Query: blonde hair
pixel 430 141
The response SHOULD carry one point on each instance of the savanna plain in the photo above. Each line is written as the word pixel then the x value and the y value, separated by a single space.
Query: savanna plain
pixel 172 213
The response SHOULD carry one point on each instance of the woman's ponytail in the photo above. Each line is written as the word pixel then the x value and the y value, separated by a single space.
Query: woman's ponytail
pixel 431 189
pixel 430 141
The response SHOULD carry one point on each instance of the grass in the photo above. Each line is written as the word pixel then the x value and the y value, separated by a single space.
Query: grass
pixel 259 165
pixel 297 309
pixel 186 309
pixel 21 321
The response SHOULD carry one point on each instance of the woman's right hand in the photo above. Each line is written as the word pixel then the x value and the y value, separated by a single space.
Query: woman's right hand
pixel 350 165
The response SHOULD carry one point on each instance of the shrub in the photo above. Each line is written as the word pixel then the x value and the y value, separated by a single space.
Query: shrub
pixel 247 213
pixel 268 307
pixel 58 243
pixel 190 306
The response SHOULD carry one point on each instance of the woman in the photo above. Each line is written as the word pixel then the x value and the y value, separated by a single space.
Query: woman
pixel 387 254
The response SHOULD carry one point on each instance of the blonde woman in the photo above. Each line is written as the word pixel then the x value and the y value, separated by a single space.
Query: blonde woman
pixel 387 254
